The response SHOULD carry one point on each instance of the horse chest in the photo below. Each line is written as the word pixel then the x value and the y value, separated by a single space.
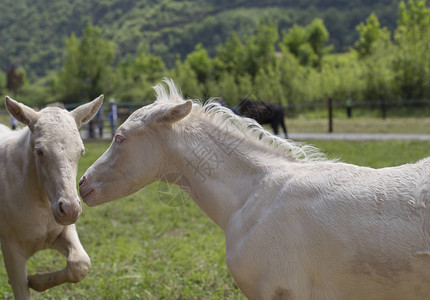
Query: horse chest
pixel 32 226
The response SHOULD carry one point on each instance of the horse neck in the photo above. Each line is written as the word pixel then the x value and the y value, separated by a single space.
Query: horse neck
pixel 20 155
pixel 218 167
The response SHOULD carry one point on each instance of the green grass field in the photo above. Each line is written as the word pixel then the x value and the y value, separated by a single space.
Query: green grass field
pixel 361 125
pixel 143 249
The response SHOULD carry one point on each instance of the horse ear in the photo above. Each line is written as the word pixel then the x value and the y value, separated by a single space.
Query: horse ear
pixel 21 112
pixel 84 113
pixel 176 113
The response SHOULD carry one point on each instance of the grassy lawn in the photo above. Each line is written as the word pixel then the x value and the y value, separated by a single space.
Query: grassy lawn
pixel 143 249
pixel 361 125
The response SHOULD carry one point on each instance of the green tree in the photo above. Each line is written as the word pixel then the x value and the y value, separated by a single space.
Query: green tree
pixel 307 55
pixel 413 21
pixel 292 78
pixel 15 80
pixel 378 77
pixel 370 33
pixel 268 85
pixel 412 59
pixel 185 77
pixel 295 38
pixel 317 37
pixel 37 93
pixel 341 78
pixel 245 86
pixel 230 57
pixel 226 88
pixel 308 43
pixel 137 74
pixel 87 66
pixel 143 63
pixel 259 49
pixel 200 63
pixel 375 50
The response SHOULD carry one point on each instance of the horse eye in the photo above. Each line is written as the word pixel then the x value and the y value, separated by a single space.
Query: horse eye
pixel 119 139
pixel 39 152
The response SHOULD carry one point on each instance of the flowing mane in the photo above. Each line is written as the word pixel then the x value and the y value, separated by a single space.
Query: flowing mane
pixel 220 115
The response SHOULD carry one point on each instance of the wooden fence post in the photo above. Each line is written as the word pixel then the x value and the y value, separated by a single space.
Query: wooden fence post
pixel 330 115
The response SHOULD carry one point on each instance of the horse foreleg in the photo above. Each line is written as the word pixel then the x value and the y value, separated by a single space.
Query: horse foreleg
pixel 16 269
pixel 274 125
pixel 284 127
pixel 78 262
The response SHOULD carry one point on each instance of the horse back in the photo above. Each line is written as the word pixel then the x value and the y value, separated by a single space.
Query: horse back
pixel 337 231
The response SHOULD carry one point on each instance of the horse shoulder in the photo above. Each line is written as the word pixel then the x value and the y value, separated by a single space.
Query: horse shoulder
pixel 266 227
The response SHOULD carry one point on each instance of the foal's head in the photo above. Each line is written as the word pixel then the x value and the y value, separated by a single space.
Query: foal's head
pixel 56 147
pixel 136 155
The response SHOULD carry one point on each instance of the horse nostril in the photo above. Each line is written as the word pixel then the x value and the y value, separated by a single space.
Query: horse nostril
pixel 60 206
pixel 82 181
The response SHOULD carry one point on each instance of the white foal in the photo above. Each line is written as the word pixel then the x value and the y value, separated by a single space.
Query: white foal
pixel 39 203
pixel 297 226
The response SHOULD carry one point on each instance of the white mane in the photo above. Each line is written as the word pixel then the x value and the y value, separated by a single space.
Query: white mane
pixel 219 115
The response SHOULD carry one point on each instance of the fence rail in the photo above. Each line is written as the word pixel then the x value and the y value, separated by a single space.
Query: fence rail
pixel 127 108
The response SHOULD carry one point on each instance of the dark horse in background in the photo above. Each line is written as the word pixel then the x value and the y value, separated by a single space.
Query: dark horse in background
pixel 263 113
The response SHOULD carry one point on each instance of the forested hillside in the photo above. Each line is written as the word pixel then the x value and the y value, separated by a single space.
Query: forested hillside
pixel 295 54
pixel 33 32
